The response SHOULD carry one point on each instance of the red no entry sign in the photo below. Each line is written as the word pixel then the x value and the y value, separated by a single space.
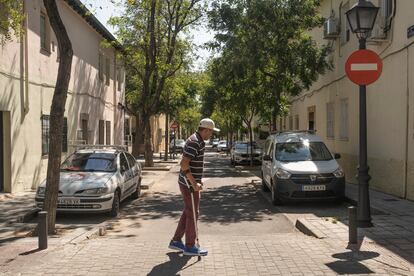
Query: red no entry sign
pixel 363 67
pixel 174 125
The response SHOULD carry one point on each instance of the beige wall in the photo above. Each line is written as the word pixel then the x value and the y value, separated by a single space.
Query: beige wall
pixel 27 100
pixel 390 103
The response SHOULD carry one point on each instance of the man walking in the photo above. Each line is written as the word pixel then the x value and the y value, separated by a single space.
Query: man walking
pixel 192 169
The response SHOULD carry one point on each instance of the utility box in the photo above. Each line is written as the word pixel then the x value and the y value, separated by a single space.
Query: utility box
pixel 330 28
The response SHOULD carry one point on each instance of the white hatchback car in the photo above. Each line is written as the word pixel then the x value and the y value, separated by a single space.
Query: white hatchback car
pixel 96 179
pixel 297 166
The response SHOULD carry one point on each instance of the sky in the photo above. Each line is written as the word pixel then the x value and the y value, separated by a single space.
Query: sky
pixel 105 9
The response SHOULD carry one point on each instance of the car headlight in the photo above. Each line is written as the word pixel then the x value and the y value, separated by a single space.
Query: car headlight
pixel 41 191
pixel 339 173
pixel 282 174
pixel 94 191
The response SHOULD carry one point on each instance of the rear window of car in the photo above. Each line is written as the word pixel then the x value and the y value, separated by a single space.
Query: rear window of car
pixel 87 162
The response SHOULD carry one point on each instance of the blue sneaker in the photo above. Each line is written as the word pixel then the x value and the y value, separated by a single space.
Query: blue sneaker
pixel 176 245
pixel 195 251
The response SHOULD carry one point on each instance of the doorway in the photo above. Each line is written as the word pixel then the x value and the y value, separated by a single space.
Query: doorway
pixel 311 117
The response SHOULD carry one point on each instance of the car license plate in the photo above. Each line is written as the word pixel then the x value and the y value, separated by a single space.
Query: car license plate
pixel 69 201
pixel 314 188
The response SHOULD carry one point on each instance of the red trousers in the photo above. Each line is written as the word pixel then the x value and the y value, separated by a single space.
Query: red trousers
pixel 186 224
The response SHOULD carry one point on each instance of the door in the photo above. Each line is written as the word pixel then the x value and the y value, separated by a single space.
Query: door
pixel 270 164
pixel 1 153
pixel 311 118
pixel 267 164
pixel 126 175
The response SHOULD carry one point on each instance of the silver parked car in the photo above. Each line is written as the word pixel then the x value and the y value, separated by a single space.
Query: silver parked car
pixel 241 153
pixel 298 166
pixel 96 179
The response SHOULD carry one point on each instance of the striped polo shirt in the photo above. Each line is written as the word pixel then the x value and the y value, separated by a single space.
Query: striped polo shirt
pixel 194 149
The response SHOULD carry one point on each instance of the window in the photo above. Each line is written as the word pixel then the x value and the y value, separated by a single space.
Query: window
pixel 123 163
pixel 297 122
pixel 101 132
pixel 100 67
pixel 343 130
pixel 119 78
pixel 44 32
pixel 107 71
pixel 131 159
pixel 284 122
pixel 330 119
pixel 290 122
pixel 345 29
pixel 280 123
pixel 45 134
pixel 108 132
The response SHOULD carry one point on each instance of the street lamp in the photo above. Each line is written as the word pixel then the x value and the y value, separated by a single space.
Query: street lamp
pixel 361 18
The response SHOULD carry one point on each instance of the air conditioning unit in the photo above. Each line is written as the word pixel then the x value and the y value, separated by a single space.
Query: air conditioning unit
pixel 330 28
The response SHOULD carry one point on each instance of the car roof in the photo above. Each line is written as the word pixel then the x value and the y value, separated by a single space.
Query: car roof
pixel 291 137
pixel 113 151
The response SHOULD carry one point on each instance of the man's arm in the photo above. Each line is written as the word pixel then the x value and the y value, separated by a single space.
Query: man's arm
pixel 185 167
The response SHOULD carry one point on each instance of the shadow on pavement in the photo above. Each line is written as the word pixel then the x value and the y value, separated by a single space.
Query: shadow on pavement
pixel 176 263
pixel 349 262
pixel 224 204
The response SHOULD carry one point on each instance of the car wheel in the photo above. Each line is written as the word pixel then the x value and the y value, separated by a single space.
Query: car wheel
pixel 275 197
pixel 137 192
pixel 116 203
pixel 264 185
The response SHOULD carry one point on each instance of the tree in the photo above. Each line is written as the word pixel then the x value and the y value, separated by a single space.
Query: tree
pixel 11 20
pixel 57 111
pixel 154 51
pixel 269 40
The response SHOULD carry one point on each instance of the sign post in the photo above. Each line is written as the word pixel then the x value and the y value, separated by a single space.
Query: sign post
pixel 363 67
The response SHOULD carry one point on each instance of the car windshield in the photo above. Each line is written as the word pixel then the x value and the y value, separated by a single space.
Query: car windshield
pixel 87 162
pixel 302 151
pixel 222 142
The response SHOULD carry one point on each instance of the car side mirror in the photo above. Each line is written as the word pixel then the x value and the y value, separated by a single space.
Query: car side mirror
pixel 337 156
pixel 267 158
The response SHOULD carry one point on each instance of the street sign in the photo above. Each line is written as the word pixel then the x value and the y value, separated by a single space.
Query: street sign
pixel 174 125
pixel 363 67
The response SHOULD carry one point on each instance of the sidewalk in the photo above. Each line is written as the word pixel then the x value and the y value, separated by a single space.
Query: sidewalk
pixel 14 207
pixel 391 236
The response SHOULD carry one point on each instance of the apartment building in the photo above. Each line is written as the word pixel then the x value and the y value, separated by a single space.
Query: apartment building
pixel 331 106
pixel 28 70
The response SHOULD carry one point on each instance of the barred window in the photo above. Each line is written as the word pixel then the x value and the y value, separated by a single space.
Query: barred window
pixel 297 122
pixel 343 130
pixel 330 119
pixel 45 134
pixel 108 132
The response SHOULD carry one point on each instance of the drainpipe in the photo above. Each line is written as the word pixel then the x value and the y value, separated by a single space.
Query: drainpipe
pixel 26 58
pixel 405 187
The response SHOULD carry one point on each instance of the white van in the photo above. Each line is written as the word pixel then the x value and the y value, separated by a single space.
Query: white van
pixel 297 166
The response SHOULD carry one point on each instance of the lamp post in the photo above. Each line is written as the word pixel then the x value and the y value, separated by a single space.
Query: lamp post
pixel 361 18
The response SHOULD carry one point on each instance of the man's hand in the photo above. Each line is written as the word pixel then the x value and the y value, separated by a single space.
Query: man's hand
pixel 197 187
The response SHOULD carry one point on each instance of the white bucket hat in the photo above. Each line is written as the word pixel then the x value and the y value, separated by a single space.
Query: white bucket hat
pixel 208 123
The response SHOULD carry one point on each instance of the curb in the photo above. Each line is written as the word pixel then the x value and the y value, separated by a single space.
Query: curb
pixel 306 228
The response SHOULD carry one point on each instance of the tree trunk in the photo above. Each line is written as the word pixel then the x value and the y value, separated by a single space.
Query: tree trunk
pixel 139 136
pixel 149 162
pixel 57 112
pixel 167 140
pixel 249 126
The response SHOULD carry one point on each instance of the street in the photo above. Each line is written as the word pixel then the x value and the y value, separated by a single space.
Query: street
pixel 244 233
